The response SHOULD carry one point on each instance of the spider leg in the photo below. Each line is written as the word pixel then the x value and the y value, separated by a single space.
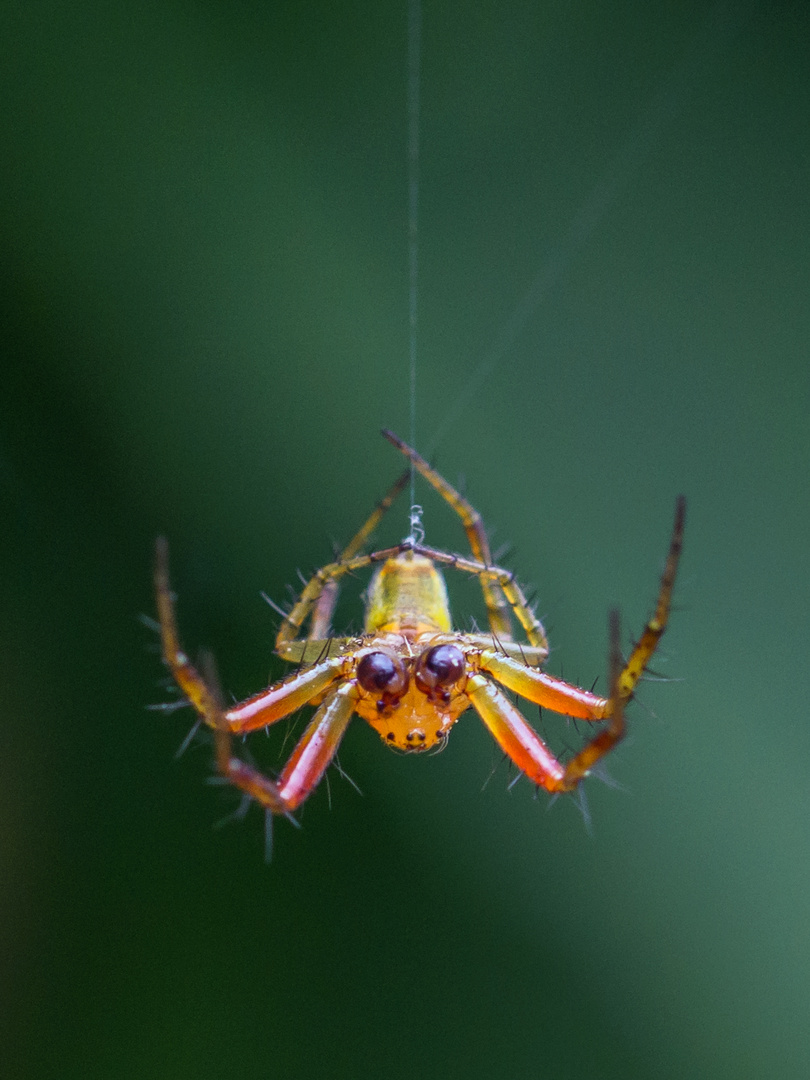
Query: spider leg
pixel 185 674
pixel 319 595
pixel 284 697
pixel 581 764
pixel 288 645
pixel 315 750
pixel 515 736
pixel 648 642
pixel 322 581
pixel 543 689
pixel 317 745
pixel 264 708
pixel 506 582
pixel 320 627
pixel 523 745
pixel 498 609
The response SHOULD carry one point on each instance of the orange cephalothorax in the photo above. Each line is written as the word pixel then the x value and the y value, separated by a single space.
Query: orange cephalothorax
pixel 412 690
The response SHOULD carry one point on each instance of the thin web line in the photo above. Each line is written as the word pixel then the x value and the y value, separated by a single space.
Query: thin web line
pixel 414 49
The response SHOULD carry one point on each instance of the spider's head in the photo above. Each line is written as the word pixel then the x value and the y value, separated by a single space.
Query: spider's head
pixel 412 701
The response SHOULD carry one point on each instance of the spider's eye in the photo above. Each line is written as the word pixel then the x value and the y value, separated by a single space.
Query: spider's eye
pixel 381 673
pixel 439 667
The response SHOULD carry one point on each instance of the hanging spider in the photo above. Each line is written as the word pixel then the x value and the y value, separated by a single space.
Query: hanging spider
pixel 410 675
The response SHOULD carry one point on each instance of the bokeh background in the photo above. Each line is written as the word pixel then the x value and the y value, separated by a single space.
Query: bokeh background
pixel 204 327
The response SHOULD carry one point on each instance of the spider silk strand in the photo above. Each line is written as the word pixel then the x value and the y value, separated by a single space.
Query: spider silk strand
pixel 414 75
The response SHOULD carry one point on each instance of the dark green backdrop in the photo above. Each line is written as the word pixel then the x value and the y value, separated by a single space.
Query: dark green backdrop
pixel 204 326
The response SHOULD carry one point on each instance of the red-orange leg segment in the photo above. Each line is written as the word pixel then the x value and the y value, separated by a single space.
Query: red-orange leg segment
pixel 523 745
pixel 310 759
pixel 515 736
pixel 283 698
pixel 521 742
pixel 315 749
pixel 263 708
pixel 551 693
pixel 543 689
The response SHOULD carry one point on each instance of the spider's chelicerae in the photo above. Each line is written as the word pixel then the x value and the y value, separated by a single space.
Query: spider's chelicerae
pixel 410 675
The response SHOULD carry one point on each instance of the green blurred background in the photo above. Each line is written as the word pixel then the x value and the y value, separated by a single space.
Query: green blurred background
pixel 204 327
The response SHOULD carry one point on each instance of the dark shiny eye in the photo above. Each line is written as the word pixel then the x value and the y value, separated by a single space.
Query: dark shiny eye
pixel 380 673
pixel 439 667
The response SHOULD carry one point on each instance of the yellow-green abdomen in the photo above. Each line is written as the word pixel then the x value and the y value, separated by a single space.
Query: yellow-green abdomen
pixel 408 594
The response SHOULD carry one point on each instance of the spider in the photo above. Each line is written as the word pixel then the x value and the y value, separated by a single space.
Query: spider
pixel 410 675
